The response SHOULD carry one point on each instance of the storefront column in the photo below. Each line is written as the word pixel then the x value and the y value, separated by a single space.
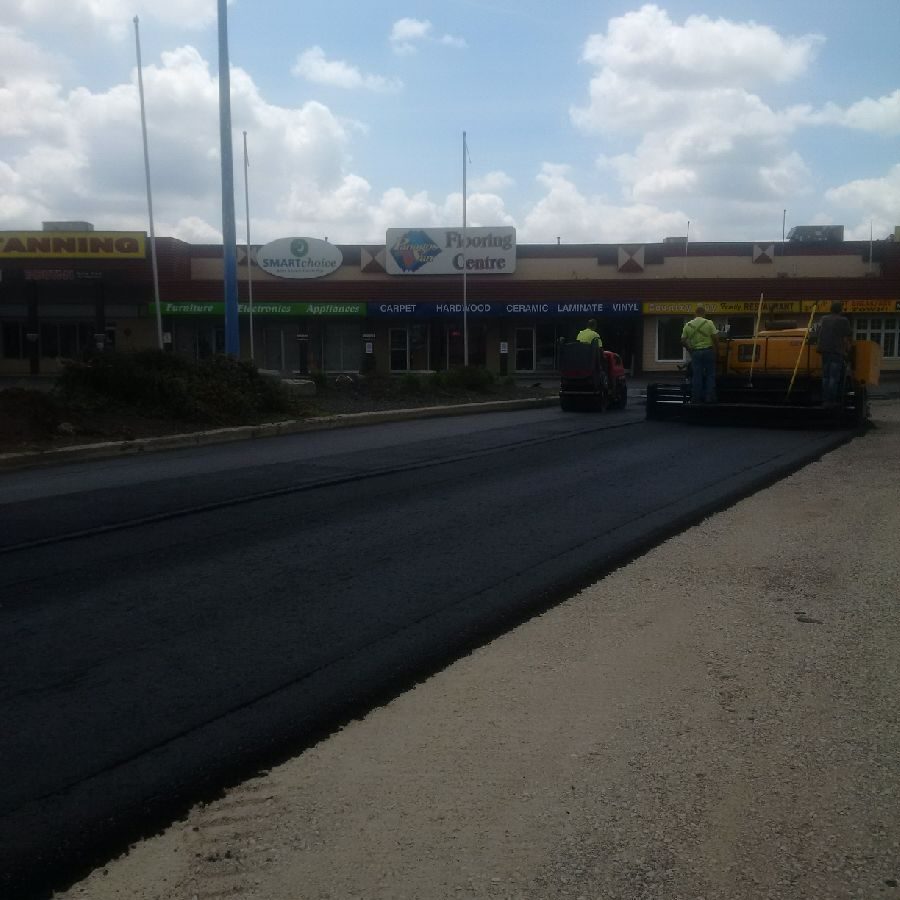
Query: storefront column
pixel 99 318
pixel 33 328
pixel 303 347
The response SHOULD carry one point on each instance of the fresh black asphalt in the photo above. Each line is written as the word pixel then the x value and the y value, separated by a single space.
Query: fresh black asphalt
pixel 224 607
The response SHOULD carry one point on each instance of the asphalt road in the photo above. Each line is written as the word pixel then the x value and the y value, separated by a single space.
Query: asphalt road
pixel 171 623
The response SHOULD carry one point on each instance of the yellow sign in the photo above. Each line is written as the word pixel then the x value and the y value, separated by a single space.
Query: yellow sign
pixel 721 307
pixel 871 306
pixel 749 307
pixel 72 245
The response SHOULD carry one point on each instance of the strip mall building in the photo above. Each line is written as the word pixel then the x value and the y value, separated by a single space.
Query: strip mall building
pixel 405 306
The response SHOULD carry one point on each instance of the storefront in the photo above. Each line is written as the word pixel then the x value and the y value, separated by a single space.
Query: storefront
pixel 877 320
pixel 284 337
pixel 508 337
pixel 65 293
pixel 398 307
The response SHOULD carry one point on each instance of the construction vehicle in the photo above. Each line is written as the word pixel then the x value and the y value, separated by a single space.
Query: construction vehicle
pixel 590 377
pixel 775 377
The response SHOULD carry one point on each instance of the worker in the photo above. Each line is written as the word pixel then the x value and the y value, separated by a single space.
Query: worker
pixel 701 339
pixel 589 335
pixel 833 342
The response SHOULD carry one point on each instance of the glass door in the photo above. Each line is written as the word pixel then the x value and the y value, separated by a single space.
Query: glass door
pixel 399 343
pixel 273 348
pixel 524 350
pixel 343 347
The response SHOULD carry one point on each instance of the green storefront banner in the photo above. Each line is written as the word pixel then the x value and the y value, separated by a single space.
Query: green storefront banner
pixel 262 308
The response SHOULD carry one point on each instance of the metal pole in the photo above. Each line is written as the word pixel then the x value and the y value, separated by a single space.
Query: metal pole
pixel 755 335
pixel 465 299
pixel 159 332
pixel 249 260
pixel 687 240
pixel 229 236
pixel 803 345
pixel 870 245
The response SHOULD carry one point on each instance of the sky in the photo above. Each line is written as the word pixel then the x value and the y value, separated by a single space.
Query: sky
pixel 585 122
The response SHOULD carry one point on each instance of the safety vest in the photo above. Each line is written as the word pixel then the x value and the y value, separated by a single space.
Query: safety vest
pixel 699 333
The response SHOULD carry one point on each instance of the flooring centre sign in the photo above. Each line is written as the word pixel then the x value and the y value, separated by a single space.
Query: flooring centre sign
pixel 450 251
pixel 299 258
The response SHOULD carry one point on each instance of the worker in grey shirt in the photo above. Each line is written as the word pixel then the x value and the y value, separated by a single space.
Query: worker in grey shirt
pixel 833 342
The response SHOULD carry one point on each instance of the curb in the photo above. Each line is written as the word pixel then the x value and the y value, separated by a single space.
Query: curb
pixel 136 446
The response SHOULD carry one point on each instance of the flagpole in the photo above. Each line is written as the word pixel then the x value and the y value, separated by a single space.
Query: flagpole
pixel 870 245
pixel 229 237
pixel 465 298
pixel 137 41
pixel 687 239
pixel 249 260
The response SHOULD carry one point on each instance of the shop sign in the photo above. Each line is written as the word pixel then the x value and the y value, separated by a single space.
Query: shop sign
pixel 450 251
pixel 438 310
pixel 299 257
pixel 720 307
pixel 49 275
pixel 72 245
pixel 871 306
pixel 750 307
pixel 217 308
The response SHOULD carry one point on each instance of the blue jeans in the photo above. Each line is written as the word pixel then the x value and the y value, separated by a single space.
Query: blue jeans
pixel 703 376
pixel 832 378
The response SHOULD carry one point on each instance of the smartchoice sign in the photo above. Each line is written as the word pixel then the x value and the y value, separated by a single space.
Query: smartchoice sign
pixel 299 258
pixel 540 310
pixel 450 251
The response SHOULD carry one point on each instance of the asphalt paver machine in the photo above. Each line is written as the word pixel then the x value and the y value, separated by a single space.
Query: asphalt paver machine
pixel 775 377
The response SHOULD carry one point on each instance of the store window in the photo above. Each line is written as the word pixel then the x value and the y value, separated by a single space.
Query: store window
pixel 12 336
pixel 668 338
pixel 448 344
pixel 409 348
pixel 884 330
pixel 342 347
pixel 69 340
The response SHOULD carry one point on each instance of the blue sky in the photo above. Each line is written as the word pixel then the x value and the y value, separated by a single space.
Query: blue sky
pixel 586 121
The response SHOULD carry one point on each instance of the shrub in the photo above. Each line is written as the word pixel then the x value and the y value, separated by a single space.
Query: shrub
pixel 470 378
pixel 218 389
pixel 411 384
pixel 28 413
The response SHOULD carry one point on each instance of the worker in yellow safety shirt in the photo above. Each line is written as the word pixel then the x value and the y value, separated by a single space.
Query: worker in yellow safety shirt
pixel 589 335
pixel 701 339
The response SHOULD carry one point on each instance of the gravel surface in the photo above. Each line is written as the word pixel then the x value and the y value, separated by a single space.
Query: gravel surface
pixel 717 719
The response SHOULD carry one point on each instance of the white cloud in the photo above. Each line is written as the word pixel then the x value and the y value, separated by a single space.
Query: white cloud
pixel 491 182
pixel 873 200
pixel 109 16
pixel 407 35
pixel 706 141
pixel 649 46
pixel 566 213
pixel 22 59
pixel 880 116
pixel 63 163
pixel 313 66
